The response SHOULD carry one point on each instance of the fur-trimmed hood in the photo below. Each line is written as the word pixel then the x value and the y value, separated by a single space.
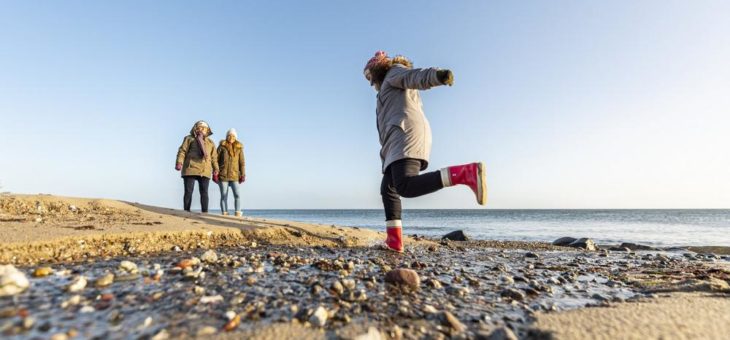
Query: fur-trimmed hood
pixel 236 144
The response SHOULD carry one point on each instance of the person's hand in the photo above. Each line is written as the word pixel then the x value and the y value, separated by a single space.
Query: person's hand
pixel 178 166
pixel 446 77
pixel 215 177
pixel 241 179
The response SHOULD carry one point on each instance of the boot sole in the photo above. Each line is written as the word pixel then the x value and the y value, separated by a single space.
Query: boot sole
pixel 393 250
pixel 482 185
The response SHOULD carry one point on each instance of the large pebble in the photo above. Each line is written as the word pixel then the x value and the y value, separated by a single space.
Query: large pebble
pixel 209 257
pixel 403 277
pixel 12 281
pixel 105 280
pixel 319 317
pixel 128 266
pixel 457 235
pixel 564 241
pixel 78 284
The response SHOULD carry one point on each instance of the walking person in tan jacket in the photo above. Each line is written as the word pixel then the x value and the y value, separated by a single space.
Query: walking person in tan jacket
pixel 232 165
pixel 405 139
pixel 198 160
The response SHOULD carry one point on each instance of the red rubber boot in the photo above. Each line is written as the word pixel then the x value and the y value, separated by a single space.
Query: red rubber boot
pixel 473 175
pixel 394 241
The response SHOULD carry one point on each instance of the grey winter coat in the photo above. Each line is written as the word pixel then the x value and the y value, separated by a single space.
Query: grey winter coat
pixel 403 128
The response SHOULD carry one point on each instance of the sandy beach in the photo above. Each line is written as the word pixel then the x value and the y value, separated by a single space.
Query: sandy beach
pixel 110 269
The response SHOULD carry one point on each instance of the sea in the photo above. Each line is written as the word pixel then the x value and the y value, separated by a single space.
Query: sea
pixel 665 228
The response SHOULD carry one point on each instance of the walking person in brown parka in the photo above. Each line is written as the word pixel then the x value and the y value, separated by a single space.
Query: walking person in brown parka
pixel 197 158
pixel 232 166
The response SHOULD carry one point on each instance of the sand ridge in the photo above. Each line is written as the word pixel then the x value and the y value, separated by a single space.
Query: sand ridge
pixel 37 228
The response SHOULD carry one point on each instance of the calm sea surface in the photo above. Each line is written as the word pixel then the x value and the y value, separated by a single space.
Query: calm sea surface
pixel 652 227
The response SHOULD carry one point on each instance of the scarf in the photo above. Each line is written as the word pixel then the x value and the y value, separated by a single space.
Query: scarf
pixel 201 145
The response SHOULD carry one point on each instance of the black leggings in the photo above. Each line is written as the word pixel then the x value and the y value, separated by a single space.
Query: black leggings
pixel 202 188
pixel 401 178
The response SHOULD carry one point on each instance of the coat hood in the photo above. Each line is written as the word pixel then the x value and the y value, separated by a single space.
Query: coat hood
pixel 192 130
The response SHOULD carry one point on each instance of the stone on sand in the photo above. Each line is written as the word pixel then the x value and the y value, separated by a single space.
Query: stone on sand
pixel 403 277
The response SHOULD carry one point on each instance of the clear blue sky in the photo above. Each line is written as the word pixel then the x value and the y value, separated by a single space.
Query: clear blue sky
pixel 572 104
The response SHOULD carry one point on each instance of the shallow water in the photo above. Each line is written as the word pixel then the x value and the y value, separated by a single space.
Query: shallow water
pixel 651 227
pixel 473 281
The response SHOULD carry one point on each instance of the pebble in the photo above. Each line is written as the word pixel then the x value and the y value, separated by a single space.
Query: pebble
pixel 78 284
pixel 403 277
pixel 349 284
pixel 436 284
pixel 12 281
pixel 319 317
pixel 372 334
pixel 129 267
pixel 28 323
pixel 188 263
pixel 513 294
pixel 506 279
pixel 105 280
pixel 72 301
pixel 232 324
pixel 209 257
pixel 428 309
pixel 59 336
pixel 42 271
pixel 211 299
pixel 449 320
pixel 501 333
pixel 206 330
pixel 584 243
pixel 337 287
pixel 161 335
pixel 251 280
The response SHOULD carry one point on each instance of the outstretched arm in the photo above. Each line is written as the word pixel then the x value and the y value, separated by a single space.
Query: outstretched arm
pixel 418 79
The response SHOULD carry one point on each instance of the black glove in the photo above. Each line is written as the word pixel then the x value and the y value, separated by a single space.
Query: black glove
pixel 446 77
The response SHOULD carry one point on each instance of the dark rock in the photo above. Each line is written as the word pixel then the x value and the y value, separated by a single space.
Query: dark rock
pixel 532 255
pixel 403 277
pixel 513 294
pixel 564 241
pixel 620 249
pixel 457 235
pixel 584 243
pixel 599 297
pixel 634 246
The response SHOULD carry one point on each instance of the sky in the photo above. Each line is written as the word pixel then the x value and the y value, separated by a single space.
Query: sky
pixel 571 104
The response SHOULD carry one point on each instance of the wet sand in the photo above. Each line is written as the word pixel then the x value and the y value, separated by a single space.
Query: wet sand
pixel 230 278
